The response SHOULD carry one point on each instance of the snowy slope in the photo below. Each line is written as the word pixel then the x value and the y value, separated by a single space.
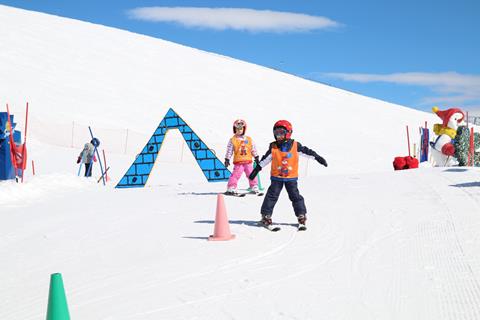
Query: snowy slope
pixel 380 244
pixel 400 245
pixel 116 79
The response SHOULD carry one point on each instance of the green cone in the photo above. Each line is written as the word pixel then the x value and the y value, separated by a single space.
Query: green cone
pixel 57 302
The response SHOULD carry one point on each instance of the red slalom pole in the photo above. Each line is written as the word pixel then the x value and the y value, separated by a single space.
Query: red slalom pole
pixel 105 163
pixel 471 150
pixel 24 160
pixel 33 167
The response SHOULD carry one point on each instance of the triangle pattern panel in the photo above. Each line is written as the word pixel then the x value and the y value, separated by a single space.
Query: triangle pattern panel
pixel 139 172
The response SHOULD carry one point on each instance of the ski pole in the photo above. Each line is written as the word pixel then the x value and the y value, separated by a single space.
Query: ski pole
pixel 98 155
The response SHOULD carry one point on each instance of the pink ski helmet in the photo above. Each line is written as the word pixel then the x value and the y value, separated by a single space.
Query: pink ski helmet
pixel 239 123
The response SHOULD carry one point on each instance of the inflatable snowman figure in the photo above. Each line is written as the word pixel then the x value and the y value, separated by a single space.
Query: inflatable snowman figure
pixel 443 149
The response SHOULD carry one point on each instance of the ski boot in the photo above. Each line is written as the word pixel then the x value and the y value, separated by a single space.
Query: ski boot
pixel 233 192
pixel 302 219
pixel 266 222
pixel 254 190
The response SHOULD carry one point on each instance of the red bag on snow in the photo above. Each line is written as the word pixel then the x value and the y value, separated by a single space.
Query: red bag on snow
pixel 402 163
pixel 412 162
pixel 399 163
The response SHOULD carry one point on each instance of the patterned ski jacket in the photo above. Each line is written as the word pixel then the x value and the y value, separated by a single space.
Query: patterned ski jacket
pixel 285 159
pixel 87 153
pixel 235 146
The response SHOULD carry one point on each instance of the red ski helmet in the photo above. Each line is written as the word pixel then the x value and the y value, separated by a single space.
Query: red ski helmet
pixel 285 125
pixel 239 123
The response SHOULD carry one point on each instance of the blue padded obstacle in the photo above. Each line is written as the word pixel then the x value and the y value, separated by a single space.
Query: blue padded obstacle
pixel 7 171
pixel 138 173
pixel 424 144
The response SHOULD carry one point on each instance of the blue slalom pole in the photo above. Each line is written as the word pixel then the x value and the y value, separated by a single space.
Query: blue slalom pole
pixel 98 157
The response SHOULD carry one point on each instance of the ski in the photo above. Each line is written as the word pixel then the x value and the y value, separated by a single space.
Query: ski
pixel 258 193
pixel 232 194
pixel 250 192
pixel 270 227
pixel 243 194
pixel 301 227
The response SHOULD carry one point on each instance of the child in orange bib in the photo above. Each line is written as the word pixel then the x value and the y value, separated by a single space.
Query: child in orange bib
pixel 242 148
pixel 283 153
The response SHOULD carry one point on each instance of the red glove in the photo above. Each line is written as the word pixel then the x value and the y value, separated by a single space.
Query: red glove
pixel 94 158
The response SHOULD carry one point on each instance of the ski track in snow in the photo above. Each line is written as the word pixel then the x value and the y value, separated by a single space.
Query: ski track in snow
pixel 459 288
pixel 404 247
pixel 235 267
pixel 234 264
pixel 441 251
pixel 438 250
pixel 242 291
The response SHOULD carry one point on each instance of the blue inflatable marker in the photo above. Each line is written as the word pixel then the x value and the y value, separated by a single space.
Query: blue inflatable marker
pixel 7 170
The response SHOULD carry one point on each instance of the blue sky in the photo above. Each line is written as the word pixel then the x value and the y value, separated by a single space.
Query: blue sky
pixel 418 53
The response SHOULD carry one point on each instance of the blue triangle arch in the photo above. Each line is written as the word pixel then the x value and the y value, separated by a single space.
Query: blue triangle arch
pixel 138 173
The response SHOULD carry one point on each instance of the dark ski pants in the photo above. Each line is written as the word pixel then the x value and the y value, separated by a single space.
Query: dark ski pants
pixel 293 194
pixel 88 169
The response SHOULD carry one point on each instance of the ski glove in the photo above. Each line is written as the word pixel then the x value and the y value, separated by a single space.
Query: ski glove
pixel 255 172
pixel 79 159
pixel 227 162
pixel 321 161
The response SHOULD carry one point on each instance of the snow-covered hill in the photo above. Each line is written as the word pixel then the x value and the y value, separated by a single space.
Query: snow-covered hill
pixel 380 244
pixel 75 71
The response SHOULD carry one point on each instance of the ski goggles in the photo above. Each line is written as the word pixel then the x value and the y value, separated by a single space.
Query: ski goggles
pixel 280 132
pixel 239 125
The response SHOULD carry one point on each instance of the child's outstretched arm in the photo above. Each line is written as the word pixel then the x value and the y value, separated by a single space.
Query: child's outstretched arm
pixel 310 153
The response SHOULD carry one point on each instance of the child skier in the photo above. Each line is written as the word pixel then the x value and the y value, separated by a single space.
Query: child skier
pixel 86 156
pixel 283 153
pixel 243 149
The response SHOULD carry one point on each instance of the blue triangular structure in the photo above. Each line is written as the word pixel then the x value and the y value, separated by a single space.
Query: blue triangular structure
pixel 138 173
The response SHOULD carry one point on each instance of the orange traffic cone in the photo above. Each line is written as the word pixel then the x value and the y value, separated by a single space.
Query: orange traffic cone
pixel 222 229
